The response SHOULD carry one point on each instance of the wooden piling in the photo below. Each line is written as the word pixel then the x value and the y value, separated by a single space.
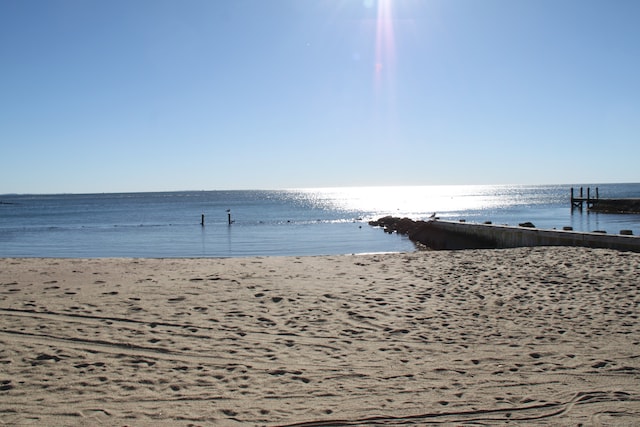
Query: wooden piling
pixel 576 202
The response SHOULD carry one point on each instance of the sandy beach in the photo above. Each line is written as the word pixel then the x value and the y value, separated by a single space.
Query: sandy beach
pixel 531 336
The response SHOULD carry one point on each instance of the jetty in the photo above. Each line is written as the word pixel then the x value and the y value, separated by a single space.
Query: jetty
pixel 447 235
pixel 594 203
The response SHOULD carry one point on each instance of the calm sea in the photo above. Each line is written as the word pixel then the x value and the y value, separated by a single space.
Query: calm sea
pixel 288 222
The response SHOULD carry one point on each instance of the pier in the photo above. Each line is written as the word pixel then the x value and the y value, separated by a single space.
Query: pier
pixel 596 204
pixel 577 202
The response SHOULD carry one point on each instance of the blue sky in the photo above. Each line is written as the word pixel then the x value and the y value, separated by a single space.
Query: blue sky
pixel 154 95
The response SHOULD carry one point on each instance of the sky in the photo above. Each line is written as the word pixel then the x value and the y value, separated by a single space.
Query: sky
pixel 158 95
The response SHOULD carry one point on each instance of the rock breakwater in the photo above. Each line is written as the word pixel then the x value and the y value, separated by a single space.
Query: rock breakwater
pixel 616 206
pixel 426 236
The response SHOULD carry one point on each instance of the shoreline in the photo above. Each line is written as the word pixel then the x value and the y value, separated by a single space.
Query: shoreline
pixel 310 222
pixel 529 335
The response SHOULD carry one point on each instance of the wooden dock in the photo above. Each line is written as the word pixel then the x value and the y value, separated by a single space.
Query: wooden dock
pixel 577 202
pixel 596 204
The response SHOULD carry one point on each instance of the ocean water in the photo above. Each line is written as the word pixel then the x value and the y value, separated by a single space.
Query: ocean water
pixel 267 223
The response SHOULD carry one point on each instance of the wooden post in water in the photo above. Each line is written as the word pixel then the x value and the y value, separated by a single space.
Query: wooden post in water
pixel 576 202
pixel 202 220
pixel 229 216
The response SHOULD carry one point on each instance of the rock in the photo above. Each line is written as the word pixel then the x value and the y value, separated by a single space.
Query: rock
pixel 527 224
pixel 424 234
pixel 616 206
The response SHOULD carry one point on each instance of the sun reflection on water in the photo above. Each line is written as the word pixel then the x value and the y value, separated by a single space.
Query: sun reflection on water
pixel 416 202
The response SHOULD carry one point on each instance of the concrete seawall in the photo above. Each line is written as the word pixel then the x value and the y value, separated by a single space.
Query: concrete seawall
pixel 501 236
pixel 461 235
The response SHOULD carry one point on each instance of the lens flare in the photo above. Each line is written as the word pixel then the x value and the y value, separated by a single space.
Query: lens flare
pixel 385 44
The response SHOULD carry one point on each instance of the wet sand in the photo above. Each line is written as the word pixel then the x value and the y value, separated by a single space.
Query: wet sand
pixel 530 336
